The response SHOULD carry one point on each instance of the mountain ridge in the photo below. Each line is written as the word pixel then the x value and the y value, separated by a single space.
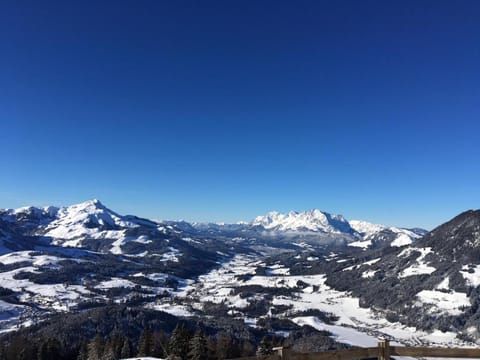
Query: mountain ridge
pixel 298 268
pixel 68 225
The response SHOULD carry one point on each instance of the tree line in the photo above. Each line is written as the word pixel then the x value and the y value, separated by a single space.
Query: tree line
pixel 182 344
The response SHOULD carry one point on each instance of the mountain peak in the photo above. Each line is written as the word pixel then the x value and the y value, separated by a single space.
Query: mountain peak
pixel 460 235
pixel 93 203
pixel 466 220
pixel 311 220
pixel 366 228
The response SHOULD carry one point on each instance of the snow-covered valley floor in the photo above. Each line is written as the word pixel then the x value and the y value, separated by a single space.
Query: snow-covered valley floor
pixel 353 325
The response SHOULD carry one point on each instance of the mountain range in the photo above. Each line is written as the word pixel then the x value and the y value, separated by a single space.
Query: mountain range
pixel 280 273
pixel 77 225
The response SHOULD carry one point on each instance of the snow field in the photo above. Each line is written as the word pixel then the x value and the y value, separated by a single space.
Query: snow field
pixel 355 325
pixel 420 267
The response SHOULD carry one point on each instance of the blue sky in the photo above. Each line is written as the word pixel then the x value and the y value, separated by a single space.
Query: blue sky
pixel 225 110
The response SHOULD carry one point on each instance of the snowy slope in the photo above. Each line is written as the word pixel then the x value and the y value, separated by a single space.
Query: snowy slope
pixel 365 228
pixel 352 324
pixel 375 233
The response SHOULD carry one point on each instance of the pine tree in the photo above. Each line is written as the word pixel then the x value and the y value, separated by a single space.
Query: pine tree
pixel 95 348
pixel 22 355
pixel 265 347
pixel 83 351
pixel 178 345
pixel 198 347
pixel 15 348
pixel 126 351
pixel 108 352
pixel 49 349
pixel 211 345
pixel 160 344
pixel 223 346
pixel 117 343
pixel 145 344
pixel 247 349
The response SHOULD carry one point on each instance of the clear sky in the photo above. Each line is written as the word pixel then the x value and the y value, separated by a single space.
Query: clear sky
pixel 224 110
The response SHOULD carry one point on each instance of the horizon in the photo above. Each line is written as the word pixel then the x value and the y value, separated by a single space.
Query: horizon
pixel 297 211
pixel 222 112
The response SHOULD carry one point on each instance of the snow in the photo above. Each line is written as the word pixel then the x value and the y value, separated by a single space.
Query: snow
pixel 277 270
pixel 367 263
pixel 471 274
pixel 117 245
pixel 420 267
pixel 173 309
pixel 355 325
pixel 407 251
pixel 406 232
pixel 444 302
pixel 404 237
pixel 115 283
pixel 312 220
pixel 361 244
pixel 303 245
pixel 190 240
pixel 365 228
pixel 55 296
pixel 252 322
pixel 351 315
pixel 171 255
pixel 26 256
pixel 143 239
pixel 238 302
pixel 157 276
pixel 121 240
pixel 368 274
pixel 341 334
pixel 72 224
pixel 444 284
pixel 371 262
pixel 9 316
pixel 402 240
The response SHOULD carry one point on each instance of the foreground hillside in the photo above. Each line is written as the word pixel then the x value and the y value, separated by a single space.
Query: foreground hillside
pixel 83 271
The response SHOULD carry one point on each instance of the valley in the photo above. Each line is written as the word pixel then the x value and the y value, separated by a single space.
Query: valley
pixel 288 276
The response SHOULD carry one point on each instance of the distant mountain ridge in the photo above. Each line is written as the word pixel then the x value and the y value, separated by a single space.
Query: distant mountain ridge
pixel 311 220
pixel 362 234
pixel 75 224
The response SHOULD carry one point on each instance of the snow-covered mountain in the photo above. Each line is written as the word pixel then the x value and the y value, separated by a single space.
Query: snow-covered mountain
pixel 94 226
pixel 312 220
pixel 356 233
pixel 365 228
pixel 374 235
pixel 90 219
pixel 70 258
pixel 433 283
